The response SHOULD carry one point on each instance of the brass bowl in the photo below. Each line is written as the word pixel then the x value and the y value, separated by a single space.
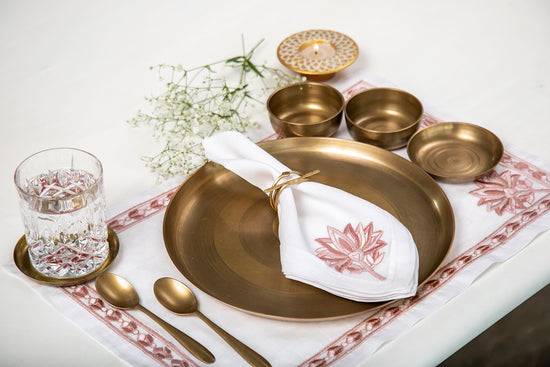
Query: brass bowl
pixel 305 109
pixel 455 151
pixel 384 117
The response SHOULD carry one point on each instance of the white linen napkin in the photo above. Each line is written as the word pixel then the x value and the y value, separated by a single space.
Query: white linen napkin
pixel 329 238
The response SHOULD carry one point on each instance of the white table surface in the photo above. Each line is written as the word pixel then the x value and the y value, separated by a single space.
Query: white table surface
pixel 73 72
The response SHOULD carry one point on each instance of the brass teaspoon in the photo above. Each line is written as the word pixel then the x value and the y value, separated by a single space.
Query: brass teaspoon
pixel 178 298
pixel 118 292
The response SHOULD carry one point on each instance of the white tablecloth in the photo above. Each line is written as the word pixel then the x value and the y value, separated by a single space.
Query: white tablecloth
pixel 72 73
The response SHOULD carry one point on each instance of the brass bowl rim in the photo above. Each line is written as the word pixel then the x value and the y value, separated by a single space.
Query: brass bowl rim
pixel 456 178
pixel 415 123
pixel 327 72
pixel 294 123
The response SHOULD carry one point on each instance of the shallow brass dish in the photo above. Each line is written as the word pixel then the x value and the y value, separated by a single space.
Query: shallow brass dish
pixel 305 109
pixel 384 117
pixel 317 53
pixel 220 231
pixel 455 151
pixel 23 263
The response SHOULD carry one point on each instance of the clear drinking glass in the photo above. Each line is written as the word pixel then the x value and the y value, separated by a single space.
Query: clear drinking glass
pixel 63 209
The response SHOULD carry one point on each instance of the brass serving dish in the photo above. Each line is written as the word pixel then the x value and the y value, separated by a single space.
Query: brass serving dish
pixel 455 151
pixel 305 109
pixel 23 263
pixel 317 53
pixel 384 117
pixel 220 231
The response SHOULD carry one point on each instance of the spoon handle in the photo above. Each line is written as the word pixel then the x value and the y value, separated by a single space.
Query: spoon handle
pixel 244 351
pixel 193 346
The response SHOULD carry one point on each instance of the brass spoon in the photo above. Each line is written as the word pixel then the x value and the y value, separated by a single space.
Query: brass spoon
pixel 118 292
pixel 175 296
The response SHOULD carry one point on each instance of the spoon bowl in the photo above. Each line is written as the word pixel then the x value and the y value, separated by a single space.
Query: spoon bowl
pixel 175 296
pixel 178 298
pixel 119 293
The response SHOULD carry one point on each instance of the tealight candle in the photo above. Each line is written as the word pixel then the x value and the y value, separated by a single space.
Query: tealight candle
pixel 317 50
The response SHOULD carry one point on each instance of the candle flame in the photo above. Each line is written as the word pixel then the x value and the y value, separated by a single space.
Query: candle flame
pixel 316 48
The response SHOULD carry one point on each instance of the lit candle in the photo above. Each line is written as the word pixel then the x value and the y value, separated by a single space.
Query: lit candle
pixel 317 50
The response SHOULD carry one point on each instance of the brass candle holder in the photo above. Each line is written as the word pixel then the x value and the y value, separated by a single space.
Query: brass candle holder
pixel 317 54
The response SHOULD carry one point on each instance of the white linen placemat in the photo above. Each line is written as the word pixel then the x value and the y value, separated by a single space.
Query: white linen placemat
pixel 496 217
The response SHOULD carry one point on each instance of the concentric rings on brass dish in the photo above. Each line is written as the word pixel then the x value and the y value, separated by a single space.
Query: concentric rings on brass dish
pixel 455 151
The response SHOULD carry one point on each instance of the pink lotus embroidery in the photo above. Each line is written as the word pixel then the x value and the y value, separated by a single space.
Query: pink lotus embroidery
pixel 504 192
pixel 354 250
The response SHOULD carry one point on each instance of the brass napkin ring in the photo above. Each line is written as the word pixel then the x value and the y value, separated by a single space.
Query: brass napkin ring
pixel 275 191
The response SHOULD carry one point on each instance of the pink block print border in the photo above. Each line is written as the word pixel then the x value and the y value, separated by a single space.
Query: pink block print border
pixel 523 213
pixel 129 328
pixel 141 212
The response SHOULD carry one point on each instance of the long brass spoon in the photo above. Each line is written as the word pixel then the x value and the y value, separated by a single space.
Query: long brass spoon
pixel 118 292
pixel 175 296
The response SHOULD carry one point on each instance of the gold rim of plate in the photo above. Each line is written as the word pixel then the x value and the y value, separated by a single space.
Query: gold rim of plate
pixel 23 263
pixel 345 53
pixel 220 231
pixel 455 151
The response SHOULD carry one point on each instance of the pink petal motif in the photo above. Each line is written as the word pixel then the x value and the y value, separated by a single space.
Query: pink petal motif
pixel 345 241
pixel 354 250
pixel 504 193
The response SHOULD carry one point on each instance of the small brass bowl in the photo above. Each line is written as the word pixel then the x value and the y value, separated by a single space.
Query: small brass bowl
pixel 305 109
pixel 455 151
pixel 384 117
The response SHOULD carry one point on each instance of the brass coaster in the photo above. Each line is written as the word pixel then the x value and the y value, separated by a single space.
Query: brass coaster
pixel 317 54
pixel 23 263
pixel 455 151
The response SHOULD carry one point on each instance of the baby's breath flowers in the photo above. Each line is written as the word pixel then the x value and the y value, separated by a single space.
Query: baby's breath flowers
pixel 200 101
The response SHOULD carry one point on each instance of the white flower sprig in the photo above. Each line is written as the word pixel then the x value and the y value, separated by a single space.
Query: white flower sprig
pixel 200 101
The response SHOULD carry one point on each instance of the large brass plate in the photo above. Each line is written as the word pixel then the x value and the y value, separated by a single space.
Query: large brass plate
pixel 220 231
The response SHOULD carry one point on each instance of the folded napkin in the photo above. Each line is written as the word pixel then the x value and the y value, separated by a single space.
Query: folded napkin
pixel 329 238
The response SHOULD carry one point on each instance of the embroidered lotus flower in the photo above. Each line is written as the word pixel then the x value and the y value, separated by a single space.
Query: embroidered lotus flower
pixel 355 250
pixel 504 192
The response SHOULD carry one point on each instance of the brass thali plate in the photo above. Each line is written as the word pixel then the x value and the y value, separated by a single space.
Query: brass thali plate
pixel 455 151
pixel 220 231
pixel 23 263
